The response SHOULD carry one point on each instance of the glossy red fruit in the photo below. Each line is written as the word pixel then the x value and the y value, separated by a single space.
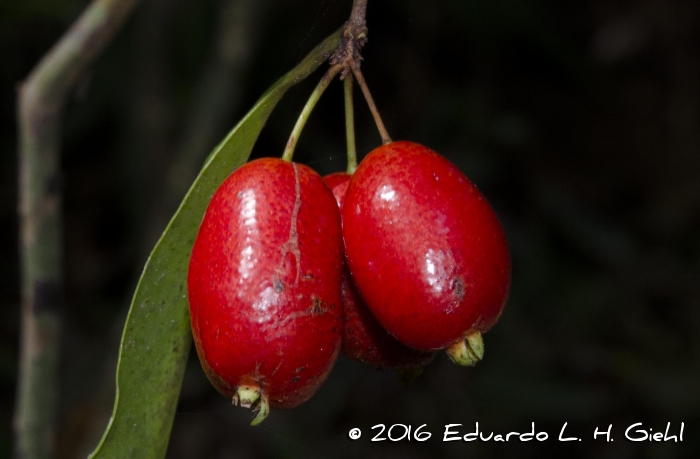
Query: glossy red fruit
pixel 424 247
pixel 364 339
pixel 264 285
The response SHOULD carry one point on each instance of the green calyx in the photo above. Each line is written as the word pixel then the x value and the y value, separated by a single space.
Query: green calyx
pixel 263 409
pixel 250 396
pixel 467 351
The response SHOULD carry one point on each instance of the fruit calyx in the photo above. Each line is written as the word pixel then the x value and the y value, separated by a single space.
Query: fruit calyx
pixel 467 351
pixel 252 397
pixel 246 396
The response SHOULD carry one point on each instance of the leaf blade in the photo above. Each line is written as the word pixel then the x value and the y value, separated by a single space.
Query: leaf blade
pixel 156 339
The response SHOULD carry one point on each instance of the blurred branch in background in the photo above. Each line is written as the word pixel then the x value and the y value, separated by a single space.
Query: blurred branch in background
pixel 149 112
pixel 42 98
pixel 214 99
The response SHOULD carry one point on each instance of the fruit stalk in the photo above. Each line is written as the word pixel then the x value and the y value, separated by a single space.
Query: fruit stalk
pixel 308 108
pixel 372 106
pixel 350 124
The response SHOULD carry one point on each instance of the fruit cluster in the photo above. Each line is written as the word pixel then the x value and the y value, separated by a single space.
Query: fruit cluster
pixel 276 287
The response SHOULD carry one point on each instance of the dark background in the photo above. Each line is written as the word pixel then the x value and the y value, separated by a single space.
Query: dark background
pixel 579 120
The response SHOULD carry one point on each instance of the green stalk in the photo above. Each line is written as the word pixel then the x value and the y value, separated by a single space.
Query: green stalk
pixel 308 108
pixel 350 124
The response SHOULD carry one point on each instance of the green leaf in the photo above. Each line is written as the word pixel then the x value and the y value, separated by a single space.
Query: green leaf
pixel 156 339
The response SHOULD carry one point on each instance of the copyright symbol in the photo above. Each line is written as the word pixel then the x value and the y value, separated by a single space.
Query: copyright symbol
pixel 354 433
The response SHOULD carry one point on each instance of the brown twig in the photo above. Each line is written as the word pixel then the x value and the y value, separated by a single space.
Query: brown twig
pixel 348 53
pixel 41 100
pixel 372 106
pixel 349 56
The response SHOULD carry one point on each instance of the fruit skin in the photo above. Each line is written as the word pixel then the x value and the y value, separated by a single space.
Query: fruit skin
pixel 424 247
pixel 263 283
pixel 364 340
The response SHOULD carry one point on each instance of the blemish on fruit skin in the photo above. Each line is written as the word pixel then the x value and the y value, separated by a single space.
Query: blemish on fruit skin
pixel 278 284
pixel 290 142
pixel 317 307
pixel 457 285
pixel 274 372
pixel 292 244
pixel 251 379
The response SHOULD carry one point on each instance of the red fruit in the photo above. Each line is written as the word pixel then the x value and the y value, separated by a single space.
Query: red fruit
pixel 263 285
pixel 364 340
pixel 338 183
pixel 425 249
